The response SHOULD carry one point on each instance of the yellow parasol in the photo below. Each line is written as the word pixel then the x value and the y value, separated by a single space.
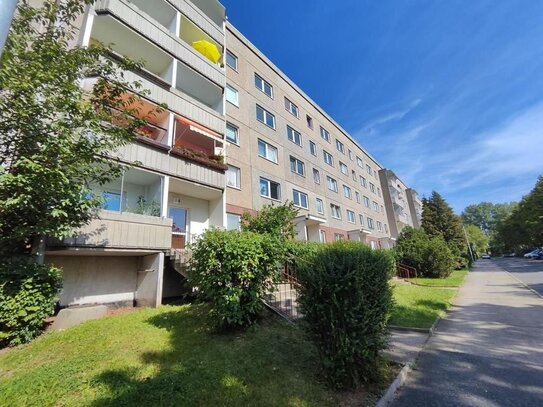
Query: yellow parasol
pixel 207 49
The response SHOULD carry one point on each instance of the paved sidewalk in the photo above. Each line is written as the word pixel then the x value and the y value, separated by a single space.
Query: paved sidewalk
pixel 404 345
pixel 487 352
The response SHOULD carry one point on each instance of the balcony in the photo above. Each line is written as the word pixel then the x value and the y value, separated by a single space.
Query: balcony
pixel 192 84
pixel 190 33
pixel 208 14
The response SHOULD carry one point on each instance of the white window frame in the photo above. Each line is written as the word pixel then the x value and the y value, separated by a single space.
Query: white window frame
pixel 361 219
pixel 235 92
pixel 267 147
pixel 229 214
pixel 291 108
pixel 316 176
pixel 237 171
pixel 322 236
pixel 369 221
pixel 379 226
pixel 325 134
pixel 359 162
pixel 343 168
pixel 328 158
pixel 298 164
pixel 340 146
pixel 331 182
pixel 231 54
pixel 262 87
pixel 351 216
pixel 270 182
pixel 300 195
pixel 368 169
pixel 319 203
pixel 357 196
pixel 372 187
pixel 351 155
pixel 375 206
pixel 265 114
pixel 335 211
pixel 293 134
pixel 347 192
pixel 313 148
pixel 236 132
pixel 363 181
pixel 366 201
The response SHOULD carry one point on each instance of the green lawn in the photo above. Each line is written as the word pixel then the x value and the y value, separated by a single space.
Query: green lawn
pixel 418 306
pixel 164 356
pixel 456 279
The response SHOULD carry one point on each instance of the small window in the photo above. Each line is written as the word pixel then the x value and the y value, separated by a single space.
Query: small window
pixel 232 95
pixel 382 209
pixel 343 168
pixel 316 176
pixel 368 169
pixel 299 199
pixel 263 85
pixel 294 136
pixel 267 151
pixel 340 146
pixel 233 175
pixel 366 202
pixel 338 236
pixel 263 116
pixel 232 133
pixel 231 60
pixel 270 189
pixel 320 206
pixel 335 211
pixel 372 187
pixel 328 159
pixel 309 121
pixel 325 134
pixel 347 192
pixel 375 206
pixel 359 162
pixel 353 172
pixel 322 236
pixel 363 182
pixel 351 155
pixel 361 219
pixel 233 221
pixel 386 228
pixel 379 192
pixel 297 166
pixel 350 216
pixel 313 148
pixel 370 223
pixel 112 201
pixel 291 107
pixel 332 183
pixel 379 226
pixel 357 195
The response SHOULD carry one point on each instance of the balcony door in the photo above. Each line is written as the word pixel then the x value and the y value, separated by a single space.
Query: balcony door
pixel 179 227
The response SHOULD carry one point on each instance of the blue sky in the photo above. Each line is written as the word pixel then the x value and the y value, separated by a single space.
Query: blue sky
pixel 448 94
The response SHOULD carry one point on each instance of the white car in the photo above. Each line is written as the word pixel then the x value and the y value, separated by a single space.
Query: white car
pixel 485 256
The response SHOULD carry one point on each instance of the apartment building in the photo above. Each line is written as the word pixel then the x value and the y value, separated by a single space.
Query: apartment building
pixel 415 207
pixel 397 206
pixel 174 182
pixel 282 146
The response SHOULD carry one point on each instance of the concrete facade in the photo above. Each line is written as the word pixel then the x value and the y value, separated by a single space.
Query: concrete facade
pixel 396 204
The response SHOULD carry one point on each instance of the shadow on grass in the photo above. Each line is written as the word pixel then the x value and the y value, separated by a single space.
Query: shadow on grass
pixel 269 365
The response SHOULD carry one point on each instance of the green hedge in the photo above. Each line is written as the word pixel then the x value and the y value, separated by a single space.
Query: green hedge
pixel 233 271
pixel 346 299
pixel 28 293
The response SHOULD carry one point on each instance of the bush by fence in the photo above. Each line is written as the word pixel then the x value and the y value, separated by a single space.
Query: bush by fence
pixel 346 300
pixel 28 293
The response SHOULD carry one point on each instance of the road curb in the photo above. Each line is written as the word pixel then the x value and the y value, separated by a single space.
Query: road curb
pixel 523 283
pixel 394 386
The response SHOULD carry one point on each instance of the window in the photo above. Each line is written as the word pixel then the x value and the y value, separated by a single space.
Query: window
pixel 386 228
pixel 368 169
pixel 325 134
pixel 363 182
pixel 379 192
pixel 353 172
pixel 232 133
pixel 322 236
pixel 267 151
pixel 297 166
pixel 340 147
pixel 262 115
pixel 370 223
pixel 233 221
pixel 347 192
pixel 366 202
pixel 359 162
pixel 233 175
pixel 232 95
pixel 382 209
pixel 313 148
pixel 316 176
pixel 320 206
pixel 299 199
pixel 328 159
pixel 294 136
pixel 332 183
pixel 361 219
pixel 338 236
pixel 335 210
pixel 231 60
pixel 379 226
pixel 291 107
pixel 372 187
pixel 270 189
pixel 351 155
pixel 263 85
pixel 375 206
pixel 357 195
pixel 343 168
pixel 112 201
pixel 350 216
pixel 309 121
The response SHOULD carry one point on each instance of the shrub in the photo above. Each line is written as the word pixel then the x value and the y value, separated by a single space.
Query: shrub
pixel 28 293
pixel 234 270
pixel 429 255
pixel 275 220
pixel 346 299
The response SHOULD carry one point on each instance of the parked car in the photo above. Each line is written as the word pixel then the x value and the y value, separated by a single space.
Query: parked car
pixel 533 254
pixel 485 256
pixel 510 254
pixel 540 255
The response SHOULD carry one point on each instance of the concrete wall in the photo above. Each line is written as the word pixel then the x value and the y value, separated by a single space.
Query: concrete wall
pixel 149 280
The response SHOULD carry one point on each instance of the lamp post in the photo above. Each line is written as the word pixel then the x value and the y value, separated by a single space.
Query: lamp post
pixel 7 8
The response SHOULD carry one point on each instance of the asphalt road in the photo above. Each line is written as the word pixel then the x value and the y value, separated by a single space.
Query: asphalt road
pixel 530 272
pixel 489 350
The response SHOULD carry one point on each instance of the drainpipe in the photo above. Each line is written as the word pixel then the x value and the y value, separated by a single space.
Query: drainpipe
pixel 8 9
